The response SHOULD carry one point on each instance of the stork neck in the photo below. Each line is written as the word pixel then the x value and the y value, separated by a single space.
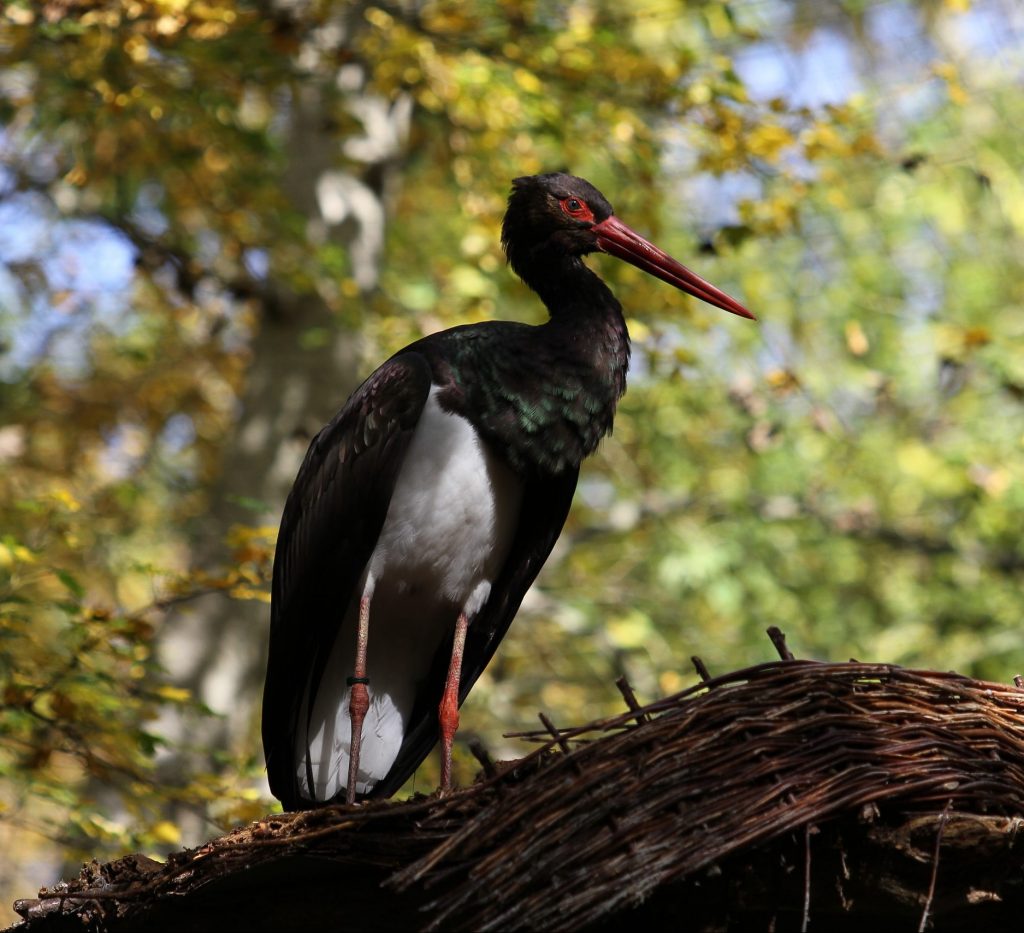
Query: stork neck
pixel 568 287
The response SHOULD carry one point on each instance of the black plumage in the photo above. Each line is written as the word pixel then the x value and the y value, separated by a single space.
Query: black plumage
pixel 540 398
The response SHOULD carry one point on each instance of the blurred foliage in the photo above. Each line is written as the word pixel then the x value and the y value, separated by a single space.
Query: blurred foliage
pixel 849 469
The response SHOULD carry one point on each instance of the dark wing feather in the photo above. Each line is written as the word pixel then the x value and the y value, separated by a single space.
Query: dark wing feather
pixel 330 526
pixel 546 503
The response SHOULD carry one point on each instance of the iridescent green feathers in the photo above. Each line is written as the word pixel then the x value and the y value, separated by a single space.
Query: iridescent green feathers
pixel 544 396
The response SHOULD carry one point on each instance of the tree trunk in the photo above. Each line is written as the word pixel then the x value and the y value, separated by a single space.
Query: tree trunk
pixel 216 647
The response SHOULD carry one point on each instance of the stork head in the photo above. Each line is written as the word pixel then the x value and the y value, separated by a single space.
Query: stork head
pixel 559 213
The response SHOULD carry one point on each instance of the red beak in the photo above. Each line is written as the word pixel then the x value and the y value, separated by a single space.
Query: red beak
pixel 614 237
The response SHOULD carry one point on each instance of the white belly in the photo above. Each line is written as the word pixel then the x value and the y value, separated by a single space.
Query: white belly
pixel 445 538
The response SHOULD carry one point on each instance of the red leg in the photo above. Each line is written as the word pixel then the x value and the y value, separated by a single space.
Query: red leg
pixel 359 699
pixel 448 711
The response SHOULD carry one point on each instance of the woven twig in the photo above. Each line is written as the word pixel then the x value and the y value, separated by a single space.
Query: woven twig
pixel 735 761
pixel 601 815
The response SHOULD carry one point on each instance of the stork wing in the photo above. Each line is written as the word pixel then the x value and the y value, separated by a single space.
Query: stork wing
pixel 330 526
pixel 545 507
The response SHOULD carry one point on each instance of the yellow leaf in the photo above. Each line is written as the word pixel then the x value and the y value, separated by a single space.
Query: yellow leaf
pixel 528 81
pixel 638 330
pixel 920 462
pixel 768 140
pixel 95 822
pixel 995 481
pixel 21 16
pixel 249 592
pixel 64 496
pixel 856 340
pixel 241 535
pixel 782 380
pixel 623 131
pixel 173 694
pixel 837 198
pixel 168 25
pixel 670 682
pixel 822 139
pixel 205 31
pixel 948 72
pixel 977 337
pixel 165 831
pixel 377 17
pixel 630 630
pixel 77 176
pixel 137 48
pixel 216 160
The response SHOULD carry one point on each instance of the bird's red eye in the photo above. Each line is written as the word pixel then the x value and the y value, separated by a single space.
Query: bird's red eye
pixel 576 208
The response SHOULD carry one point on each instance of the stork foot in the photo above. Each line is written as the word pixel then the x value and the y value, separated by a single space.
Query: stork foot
pixel 359 696
pixel 448 711
pixel 448 716
pixel 358 704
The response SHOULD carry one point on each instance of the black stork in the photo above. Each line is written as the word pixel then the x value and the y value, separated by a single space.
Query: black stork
pixel 424 510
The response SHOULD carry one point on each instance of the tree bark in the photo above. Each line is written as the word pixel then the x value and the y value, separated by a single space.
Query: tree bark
pixel 216 647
